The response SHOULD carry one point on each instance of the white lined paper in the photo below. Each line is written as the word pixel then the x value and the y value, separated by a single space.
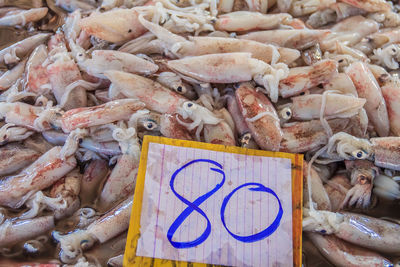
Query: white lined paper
pixel 247 212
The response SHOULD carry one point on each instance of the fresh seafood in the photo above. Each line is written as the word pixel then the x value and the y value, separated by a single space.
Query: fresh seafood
pixel 231 68
pixel 117 25
pixel 82 82
pixel 95 173
pixel 219 134
pixel 151 93
pixel 43 172
pixel 98 231
pixel 104 60
pixel 244 21
pixel 392 97
pixel 203 45
pixel 20 230
pixel 99 115
pixel 15 157
pixel 342 253
pixel 368 88
pixel 170 127
pixel 318 193
pixel 296 38
pixel 336 189
pixel 64 75
pixel 36 80
pixel 121 181
pixel 13 54
pixel 349 32
pixel 368 232
pixel 302 79
pixel 11 76
pixel 241 128
pixel 304 136
pixel 260 116
pixel 22 17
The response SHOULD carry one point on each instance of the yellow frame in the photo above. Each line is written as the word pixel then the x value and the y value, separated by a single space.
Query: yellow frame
pixel 130 259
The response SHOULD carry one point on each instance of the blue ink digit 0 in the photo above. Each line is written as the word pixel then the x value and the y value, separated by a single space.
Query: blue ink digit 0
pixel 193 206
pixel 266 232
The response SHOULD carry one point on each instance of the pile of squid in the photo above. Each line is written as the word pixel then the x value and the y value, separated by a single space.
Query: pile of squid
pixel 318 77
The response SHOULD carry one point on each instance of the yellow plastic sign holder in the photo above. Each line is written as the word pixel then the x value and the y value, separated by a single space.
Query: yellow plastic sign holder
pixel 130 258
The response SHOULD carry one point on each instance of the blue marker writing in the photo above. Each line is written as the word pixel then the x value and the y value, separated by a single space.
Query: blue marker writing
pixel 266 232
pixel 193 206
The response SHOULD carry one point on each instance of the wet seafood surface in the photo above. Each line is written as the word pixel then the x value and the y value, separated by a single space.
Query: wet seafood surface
pixel 82 82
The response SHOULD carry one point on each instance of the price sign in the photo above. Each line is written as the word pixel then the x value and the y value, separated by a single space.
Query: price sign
pixel 199 204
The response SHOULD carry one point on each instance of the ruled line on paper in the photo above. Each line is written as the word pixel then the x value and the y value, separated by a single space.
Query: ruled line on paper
pixel 246 213
pixel 159 196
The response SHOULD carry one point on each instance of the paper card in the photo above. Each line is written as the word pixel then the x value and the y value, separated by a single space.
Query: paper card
pixel 210 204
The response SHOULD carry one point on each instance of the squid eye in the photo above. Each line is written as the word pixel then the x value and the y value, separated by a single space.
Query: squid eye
pixel 359 154
pixel 286 113
pixel 190 105
pixel 85 244
pixel 362 179
pixel 150 125
pixel 245 139
pixel 180 89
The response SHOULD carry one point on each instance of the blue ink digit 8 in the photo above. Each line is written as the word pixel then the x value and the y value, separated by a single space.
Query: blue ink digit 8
pixel 193 206
pixel 266 232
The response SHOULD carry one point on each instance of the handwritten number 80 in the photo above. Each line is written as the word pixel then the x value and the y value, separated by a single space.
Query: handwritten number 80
pixel 194 206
